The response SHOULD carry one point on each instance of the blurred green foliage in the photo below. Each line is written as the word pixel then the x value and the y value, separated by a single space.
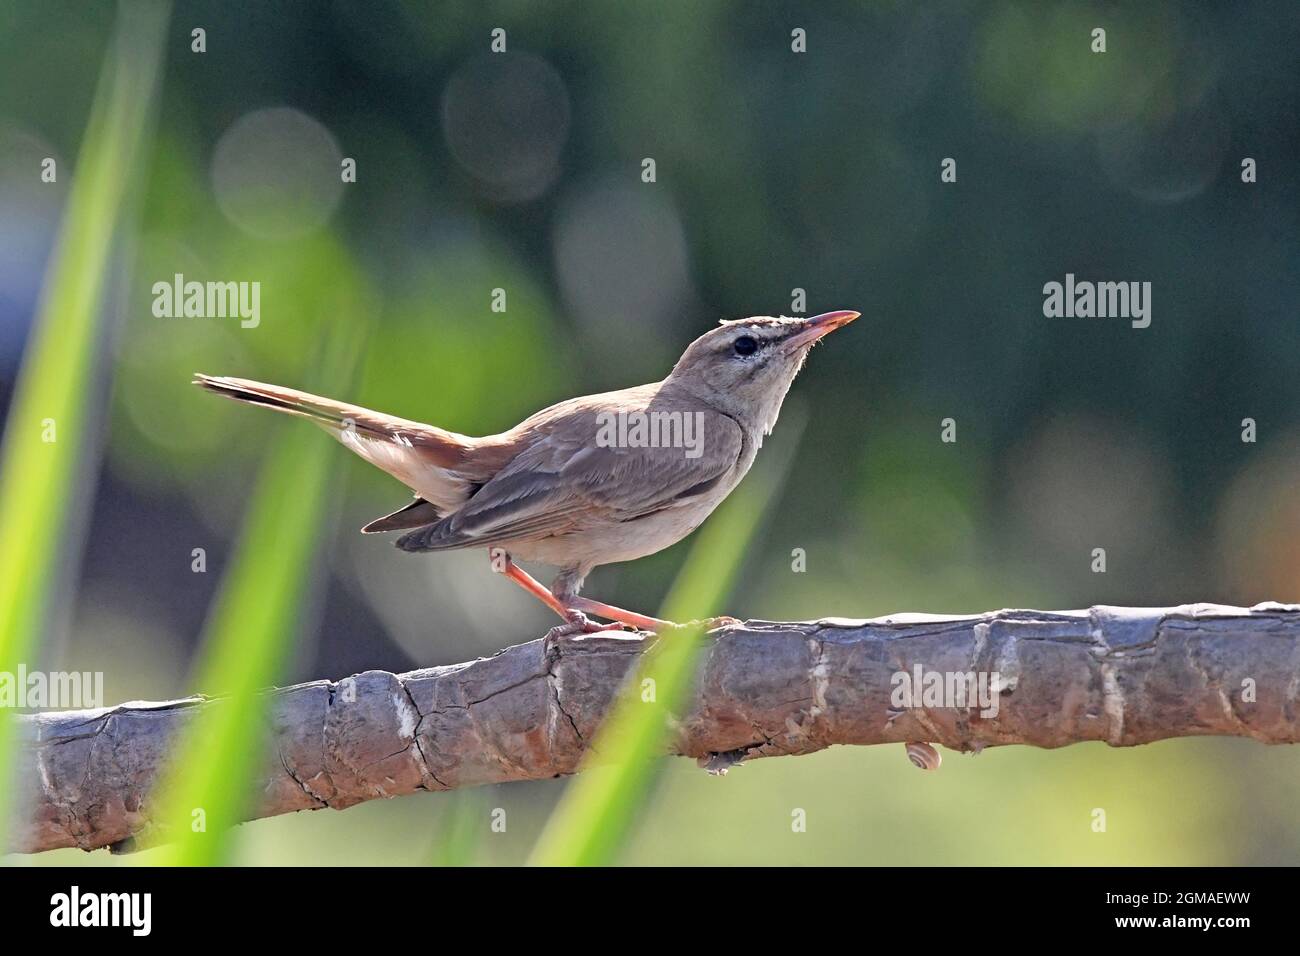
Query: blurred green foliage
pixel 257 614
pixel 47 436
pixel 776 171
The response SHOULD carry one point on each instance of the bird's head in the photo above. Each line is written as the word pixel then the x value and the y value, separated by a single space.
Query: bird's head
pixel 745 366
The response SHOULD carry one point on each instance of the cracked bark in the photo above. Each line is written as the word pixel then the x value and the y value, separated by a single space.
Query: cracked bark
pixel 1125 676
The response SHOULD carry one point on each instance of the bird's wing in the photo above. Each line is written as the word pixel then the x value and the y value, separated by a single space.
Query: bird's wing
pixel 568 477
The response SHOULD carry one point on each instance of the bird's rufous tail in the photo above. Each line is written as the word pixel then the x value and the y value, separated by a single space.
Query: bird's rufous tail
pixel 426 459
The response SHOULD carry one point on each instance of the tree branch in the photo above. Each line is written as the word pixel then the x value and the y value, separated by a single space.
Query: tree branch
pixel 1121 675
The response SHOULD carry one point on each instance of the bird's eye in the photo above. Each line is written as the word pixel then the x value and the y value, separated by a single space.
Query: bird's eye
pixel 745 345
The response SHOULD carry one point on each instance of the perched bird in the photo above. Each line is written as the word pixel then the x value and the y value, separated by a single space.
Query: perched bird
pixel 590 481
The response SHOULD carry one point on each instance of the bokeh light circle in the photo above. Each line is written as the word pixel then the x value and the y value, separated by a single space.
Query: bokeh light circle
pixel 506 119
pixel 621 253
pixel 1168 161
pixel 277 173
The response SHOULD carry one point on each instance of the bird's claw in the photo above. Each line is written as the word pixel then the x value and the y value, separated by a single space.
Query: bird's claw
pixel 578 623
pixel 706 626
pixel 715 623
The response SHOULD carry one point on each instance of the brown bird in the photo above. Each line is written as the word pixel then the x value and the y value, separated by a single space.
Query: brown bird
pixel 590 481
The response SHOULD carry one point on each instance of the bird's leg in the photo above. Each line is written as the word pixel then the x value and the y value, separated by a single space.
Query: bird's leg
pixel 565 589
pixel 640 621
pixel 566 586
pixel 645 622
pixel 575 622
pixel 503 564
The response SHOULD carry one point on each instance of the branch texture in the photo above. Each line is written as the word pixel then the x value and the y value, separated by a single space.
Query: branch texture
pixel 1122 675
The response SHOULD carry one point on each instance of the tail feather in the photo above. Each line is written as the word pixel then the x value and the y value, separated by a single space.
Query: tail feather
pixel 324 411
pixel 426 459
pixel 415 515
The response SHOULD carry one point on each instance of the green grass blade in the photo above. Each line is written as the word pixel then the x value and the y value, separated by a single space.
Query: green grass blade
pixel 596 813
pixel 247 641
pixel 206 790
pixel 459 835
pixel 37 475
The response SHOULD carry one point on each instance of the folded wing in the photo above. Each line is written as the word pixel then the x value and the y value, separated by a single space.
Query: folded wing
pixel 567 480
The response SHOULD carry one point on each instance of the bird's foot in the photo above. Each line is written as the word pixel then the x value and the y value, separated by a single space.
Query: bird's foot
pixel 712 623
pixel 578 623
pixel 722 620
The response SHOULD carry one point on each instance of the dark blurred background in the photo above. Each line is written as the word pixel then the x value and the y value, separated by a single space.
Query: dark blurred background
pixel 775 171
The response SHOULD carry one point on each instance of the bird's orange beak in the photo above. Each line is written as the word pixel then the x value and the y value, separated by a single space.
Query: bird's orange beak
pixel 817 326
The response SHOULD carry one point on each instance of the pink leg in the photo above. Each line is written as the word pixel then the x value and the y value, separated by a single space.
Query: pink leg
pixel 575 622
pixel 642 621
pixel 534 587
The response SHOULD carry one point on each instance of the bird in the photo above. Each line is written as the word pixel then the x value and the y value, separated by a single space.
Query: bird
pixel 593 480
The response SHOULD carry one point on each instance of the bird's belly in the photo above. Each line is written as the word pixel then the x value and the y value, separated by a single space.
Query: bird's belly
pixel 614 541
pixel 606 540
